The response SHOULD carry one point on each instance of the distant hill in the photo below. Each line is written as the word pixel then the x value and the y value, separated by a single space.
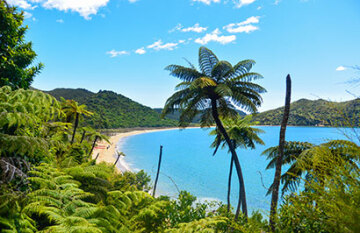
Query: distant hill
pixel 112 110
pixel 306 112
pixel 176 115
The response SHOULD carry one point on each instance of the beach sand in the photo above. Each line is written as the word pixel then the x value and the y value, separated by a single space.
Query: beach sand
pixel 108 151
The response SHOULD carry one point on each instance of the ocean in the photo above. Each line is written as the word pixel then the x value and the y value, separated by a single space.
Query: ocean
pixel 188 163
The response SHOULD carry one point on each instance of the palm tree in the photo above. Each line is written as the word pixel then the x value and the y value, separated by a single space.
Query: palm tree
pixel 213 92
pixel 306 159
pixel 73 110
pixel 98 136
pixel 242 135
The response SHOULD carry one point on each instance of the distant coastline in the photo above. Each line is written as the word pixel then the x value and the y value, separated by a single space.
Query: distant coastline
pixel 107 152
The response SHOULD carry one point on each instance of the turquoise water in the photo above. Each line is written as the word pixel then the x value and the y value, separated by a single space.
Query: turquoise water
pixel 188 161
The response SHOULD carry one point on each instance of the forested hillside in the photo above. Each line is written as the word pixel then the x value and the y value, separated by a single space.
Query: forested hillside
pixel 315 112
pixel 112 110
pixel 176 115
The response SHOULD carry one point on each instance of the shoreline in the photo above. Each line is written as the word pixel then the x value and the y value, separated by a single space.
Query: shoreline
pixel 108 155
pixel 108 151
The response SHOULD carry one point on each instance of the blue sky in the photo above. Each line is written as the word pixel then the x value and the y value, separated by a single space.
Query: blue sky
pixel 124 45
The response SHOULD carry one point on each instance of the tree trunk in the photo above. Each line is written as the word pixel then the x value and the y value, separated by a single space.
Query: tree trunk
pixel 117 159
pixel 75 126
pixel 242 195
pixel 276 186
pixel 83 137
pixel 158 171
pixel 93 145
pixel 229 184
pixel 97 156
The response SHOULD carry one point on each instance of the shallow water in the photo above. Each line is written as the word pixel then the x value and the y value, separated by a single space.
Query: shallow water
pixel 188 161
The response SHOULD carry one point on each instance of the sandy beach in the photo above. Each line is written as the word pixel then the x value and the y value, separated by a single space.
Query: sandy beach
pixel 107 151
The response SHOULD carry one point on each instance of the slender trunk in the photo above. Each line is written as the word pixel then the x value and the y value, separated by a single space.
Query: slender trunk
pixel 75 126
pixel 276 186
pixel 97 156
pixel 93 145
pixel 229 184
pixel 83 137
pixel 117 159
pixel 242 195
pixel 158 171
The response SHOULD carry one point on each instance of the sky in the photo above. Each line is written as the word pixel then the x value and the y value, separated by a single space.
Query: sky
pixel 124 45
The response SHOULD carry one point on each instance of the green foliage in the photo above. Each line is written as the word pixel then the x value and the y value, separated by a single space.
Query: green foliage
pixel 28 127
pixel 315 112
pixel 240 131
pixel 16 55
pixel 208 225
pixel 217 84
pixel 113 110
pixel 185 209
pixel 331 205
pixel 314 162
pixel 132 181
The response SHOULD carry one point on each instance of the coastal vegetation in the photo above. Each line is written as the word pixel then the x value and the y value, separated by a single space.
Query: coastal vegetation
pixel 50 182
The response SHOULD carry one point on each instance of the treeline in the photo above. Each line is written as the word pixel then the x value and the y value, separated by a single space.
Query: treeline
pixel 315 113
pixel 113 110
pixel 176 115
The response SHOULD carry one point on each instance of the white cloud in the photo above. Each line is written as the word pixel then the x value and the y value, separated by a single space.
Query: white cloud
pixel 24 4
pixel 140 51
pixel 340 68
pixel 132 1
pixel 244 26
pixel 176 28
pixel 27 15
pixel 240 3
pixel 60 21
pixel 114 53
pixel 195 28
pixel 252 19
pixel 232 28
pixel 207 2
pixel 159 45
pixel 237 3
pixel 215 36
pixel 85 8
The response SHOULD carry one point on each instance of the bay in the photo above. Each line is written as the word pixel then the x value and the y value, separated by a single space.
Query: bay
pixel 188 163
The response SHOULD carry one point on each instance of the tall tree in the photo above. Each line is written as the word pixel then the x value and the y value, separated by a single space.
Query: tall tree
pixel 73 110
pixel 275 191
pixel 158 171
pixel 213 92
pixel 97 136
pixel 242 135
pixel 16 55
